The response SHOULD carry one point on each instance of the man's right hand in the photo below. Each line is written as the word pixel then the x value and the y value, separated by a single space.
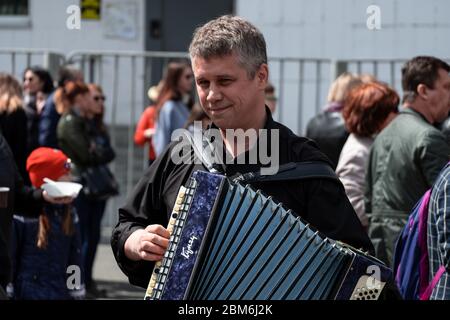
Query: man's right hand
pixel 147 244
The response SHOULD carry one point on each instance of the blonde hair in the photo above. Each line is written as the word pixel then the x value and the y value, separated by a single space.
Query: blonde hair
pixel 10 94
pixel 342 85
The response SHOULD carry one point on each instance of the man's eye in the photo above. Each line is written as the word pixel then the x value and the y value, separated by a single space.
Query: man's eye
pixel 225 81
pixel 203 84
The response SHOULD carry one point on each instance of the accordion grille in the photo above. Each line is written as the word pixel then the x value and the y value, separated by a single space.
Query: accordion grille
pixel 259 250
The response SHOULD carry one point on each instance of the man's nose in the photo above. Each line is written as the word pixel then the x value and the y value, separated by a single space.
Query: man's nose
pixel 214 94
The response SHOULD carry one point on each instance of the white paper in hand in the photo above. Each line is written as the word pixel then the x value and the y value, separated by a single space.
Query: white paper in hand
pixel 56 189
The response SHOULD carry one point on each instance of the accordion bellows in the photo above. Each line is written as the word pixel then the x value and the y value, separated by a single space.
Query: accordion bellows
pixel 231 242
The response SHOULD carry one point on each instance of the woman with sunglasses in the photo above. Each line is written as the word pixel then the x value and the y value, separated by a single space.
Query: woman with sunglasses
pixel 92 209
pixel 98 131
pixel 78 138
pixel 37 86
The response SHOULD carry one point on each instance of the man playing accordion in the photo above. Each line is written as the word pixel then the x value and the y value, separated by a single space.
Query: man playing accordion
pixel 229 62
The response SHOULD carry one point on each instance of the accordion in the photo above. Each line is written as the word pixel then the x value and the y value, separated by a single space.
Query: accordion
pixel 229 241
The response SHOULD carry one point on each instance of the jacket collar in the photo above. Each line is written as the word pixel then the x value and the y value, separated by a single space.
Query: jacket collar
pixel 414 113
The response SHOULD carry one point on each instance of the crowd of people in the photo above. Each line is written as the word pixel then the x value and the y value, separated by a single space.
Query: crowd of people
pixel 385 154
pixel 55 133
pixel 393 154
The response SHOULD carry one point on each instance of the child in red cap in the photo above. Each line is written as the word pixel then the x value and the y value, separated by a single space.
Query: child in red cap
pixel 47 163
pixel 47 251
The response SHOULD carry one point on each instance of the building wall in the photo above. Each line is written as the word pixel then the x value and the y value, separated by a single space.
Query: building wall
pixel 337 30
pixel 47 29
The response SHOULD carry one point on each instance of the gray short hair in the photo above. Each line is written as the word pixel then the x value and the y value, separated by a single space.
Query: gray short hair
pixel 227 35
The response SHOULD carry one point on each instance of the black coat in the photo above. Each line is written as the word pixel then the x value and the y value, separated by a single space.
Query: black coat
pixel 327 129
pixel 21 198
pixel 14 128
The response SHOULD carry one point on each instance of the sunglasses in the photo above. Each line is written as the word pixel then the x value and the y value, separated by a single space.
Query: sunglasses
pixel 98 98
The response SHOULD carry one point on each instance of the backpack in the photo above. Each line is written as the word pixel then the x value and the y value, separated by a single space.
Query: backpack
pixel 411 266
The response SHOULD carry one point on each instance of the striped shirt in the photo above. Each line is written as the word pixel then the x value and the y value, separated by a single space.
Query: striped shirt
pixel 438 234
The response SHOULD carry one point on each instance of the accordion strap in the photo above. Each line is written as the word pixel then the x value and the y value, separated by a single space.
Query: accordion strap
pixel 291 171
pixel 286 172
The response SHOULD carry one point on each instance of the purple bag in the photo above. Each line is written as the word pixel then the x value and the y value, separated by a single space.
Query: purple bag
pixel 411 266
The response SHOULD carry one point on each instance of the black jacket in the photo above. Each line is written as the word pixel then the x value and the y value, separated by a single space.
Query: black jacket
pixel 327 129
pixel 14 129
pixel 21 198
pixel 322 203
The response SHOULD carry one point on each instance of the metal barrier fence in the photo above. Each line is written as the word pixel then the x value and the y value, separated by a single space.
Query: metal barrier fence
pixel 301 87
pixel 15 60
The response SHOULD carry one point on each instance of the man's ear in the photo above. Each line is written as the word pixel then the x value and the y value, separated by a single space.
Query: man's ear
pixel 422 91
pixel 263 75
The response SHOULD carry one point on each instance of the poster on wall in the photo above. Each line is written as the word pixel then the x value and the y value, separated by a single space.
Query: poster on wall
pixel 120 19
pixel 90 9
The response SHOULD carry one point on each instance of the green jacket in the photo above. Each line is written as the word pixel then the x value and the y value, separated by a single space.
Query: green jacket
pixel 75 141
pixel 404 161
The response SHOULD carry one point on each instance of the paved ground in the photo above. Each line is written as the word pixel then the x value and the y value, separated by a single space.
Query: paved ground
pixel 110 277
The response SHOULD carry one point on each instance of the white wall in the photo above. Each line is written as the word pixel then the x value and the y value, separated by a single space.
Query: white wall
pixel 48 30
pixel 337 29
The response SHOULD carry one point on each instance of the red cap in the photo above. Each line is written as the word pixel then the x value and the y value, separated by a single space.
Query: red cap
pixel 47 163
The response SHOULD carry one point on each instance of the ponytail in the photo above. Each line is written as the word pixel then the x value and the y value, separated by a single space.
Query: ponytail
pixel 44 227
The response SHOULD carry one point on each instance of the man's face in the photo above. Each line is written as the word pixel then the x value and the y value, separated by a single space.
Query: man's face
pixel 226 93
pixel 439 97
